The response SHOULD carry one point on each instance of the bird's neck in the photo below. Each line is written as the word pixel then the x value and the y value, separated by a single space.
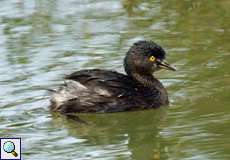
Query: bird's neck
pixel 148 80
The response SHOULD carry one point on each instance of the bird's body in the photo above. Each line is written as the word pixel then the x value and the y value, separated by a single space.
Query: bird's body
pixel 106 91
pixel 99 90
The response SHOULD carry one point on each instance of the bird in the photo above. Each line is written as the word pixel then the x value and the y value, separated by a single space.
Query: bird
pixel 105 91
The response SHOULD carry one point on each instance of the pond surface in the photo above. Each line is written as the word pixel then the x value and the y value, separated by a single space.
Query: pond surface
pixel 41 41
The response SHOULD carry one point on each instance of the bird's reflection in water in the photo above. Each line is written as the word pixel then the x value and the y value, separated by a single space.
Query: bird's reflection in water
pixel 134 132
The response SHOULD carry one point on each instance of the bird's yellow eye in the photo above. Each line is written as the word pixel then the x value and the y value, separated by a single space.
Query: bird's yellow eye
pixel 152 58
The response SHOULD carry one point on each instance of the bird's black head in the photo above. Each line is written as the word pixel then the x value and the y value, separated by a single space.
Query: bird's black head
pixel 145 57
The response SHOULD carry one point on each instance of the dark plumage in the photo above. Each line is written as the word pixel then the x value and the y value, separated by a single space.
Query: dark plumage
pixel 109 91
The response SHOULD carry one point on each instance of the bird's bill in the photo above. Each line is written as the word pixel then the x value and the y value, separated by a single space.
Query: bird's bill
pixel 163 64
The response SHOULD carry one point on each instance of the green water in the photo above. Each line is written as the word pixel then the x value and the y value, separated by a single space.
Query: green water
pixel 41 41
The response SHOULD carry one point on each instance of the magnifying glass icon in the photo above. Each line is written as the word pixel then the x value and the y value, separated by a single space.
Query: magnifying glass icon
pixel 9 147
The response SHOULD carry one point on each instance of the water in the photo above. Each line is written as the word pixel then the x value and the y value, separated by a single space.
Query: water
pixel 41 41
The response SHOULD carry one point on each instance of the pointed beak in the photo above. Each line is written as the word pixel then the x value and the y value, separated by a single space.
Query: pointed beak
pixel 165 65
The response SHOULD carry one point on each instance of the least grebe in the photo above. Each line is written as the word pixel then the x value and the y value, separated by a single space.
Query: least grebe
pixel 98 90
